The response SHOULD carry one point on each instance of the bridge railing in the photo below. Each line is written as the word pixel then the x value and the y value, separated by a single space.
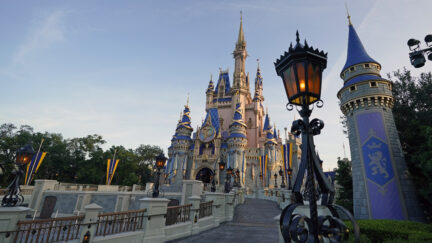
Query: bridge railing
pixel 205 209
pixel 118 222
pixel 178 214
pixel 48 230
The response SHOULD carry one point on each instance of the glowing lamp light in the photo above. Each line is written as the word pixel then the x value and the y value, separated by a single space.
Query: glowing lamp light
pixel 301 71
pixel 25 154
pixel 160 161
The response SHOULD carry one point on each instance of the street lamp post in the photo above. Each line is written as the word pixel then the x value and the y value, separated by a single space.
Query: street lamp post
pixel 289 178
pixel 228 180
pixel 23 156
pixel 416 54
pixel 160 163
pixel 301 71
pixel 237 178
pixel 283 177
pixel 275 176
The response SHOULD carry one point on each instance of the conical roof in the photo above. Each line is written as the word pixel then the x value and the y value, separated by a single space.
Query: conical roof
pixel 356 52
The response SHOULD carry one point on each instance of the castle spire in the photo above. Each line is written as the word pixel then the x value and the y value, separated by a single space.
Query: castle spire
pixel 348 15
pixel 356 52
pixel 240 39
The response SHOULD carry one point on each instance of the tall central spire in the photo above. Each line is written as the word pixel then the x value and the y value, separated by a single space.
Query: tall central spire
pixel 240 55
pixel 240 39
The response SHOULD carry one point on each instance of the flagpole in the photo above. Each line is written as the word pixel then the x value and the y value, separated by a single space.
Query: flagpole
pixel 31 169
pixel 112 163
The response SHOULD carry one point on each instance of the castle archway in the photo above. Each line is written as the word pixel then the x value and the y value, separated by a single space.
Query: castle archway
pixel 204 175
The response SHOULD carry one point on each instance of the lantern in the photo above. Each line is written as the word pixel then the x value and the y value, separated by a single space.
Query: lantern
pixel 301 72
pixel 221 165
pixel 160 161
pixel 25 154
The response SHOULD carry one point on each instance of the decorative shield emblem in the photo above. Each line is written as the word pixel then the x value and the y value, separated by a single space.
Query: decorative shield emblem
pixel 207 134
pixel 377 161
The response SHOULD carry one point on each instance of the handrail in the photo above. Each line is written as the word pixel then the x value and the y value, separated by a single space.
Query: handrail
pixel 206 209
pixel 178 214
pixel 118 222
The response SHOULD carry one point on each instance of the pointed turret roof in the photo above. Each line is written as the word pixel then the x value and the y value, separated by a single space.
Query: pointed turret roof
pixel 223 76
pixel 238 116
pixel 356 52
pixel 270 138
pixel 211 85
pixel 266 123
pixel 275 133
pixel 186 119
pixel 241 38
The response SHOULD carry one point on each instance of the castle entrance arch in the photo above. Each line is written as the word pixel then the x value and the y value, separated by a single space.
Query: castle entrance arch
pixel 204 175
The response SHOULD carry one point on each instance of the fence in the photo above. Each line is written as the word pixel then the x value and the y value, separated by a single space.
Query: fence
pixel 113 223
pixel 48 230
pixel 178 214
pixel 205 209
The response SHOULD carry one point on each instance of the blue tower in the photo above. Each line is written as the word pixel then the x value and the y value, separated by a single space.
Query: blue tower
pixel 381 182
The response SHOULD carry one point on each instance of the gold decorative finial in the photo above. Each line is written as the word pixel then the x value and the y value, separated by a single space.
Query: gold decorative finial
pixel 267 110
pixel 241 16
pixel 211 76
pixel 187 101
pixel 258 63
pixel 348 15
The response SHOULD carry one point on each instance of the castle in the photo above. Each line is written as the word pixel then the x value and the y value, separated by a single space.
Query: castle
pixel 235 131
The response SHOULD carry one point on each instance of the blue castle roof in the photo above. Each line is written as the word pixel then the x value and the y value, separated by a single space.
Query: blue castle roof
pixel 186 119
pixel 213 115
pixel 266 123
pixel 356 52
pixel 225 76
pixel 275 133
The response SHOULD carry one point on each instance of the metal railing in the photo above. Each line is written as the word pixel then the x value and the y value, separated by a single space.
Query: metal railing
pixel 48 230
pixel 178 214
pixel 205 209
pixel 118 222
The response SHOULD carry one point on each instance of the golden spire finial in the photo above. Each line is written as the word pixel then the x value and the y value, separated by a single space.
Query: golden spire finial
pixel 241 35
pixel 211 76
pixel 187 101
pixel 348 15
pixel 267 110
pixel 258 63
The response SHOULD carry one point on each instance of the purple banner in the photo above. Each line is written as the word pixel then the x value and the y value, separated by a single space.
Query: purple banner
pixel 382 185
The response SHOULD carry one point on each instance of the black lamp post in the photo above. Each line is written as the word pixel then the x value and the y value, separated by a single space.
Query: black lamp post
pixel 275 176
pixel 23 156
pixel 237 178
pixel 416 54
pixel 228 180
pixel 160 163
pixel 283 178
pixel 289 178
pixel 301 71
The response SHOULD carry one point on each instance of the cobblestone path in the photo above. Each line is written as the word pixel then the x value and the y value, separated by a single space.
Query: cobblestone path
pixel 252 223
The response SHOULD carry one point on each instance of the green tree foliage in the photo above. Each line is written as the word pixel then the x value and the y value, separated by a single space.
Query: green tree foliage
pixel 413 117
pixel 343 178
pixel 77 160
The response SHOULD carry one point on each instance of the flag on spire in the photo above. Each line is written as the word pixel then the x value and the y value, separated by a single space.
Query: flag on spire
pixel 34 165
pixel 111 168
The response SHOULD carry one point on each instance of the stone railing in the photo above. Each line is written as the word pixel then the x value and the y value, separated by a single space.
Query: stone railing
pixel 150 223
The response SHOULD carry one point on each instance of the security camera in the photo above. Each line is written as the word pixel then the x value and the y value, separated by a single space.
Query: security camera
pixel 417 59
pixel 429 55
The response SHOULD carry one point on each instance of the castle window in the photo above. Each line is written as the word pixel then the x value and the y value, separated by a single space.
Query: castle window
pixel 389 86
pixel 352 69
pixel 353 88
pixel 367 65
pixel 373 84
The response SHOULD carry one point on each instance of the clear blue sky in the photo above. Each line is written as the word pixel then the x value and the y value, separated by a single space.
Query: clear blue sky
pixel 123 69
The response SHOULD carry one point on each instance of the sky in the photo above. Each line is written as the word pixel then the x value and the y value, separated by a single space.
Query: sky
pixel 124 69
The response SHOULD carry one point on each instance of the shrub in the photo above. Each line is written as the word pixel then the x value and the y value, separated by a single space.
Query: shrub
pixel 392 231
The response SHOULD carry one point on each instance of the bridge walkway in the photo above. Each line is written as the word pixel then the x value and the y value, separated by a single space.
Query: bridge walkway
pixel 253 222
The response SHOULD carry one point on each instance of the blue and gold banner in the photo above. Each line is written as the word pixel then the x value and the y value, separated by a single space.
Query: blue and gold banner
pixel 111 168
pixel 382 185
pixel 287 157
pixel 263 167
pixel 33 167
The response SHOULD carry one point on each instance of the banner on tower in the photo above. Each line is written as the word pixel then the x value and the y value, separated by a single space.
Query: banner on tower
pixel 263 167
pixel 287 157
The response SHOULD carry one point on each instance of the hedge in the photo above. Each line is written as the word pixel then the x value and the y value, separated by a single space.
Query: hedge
pixel 392 231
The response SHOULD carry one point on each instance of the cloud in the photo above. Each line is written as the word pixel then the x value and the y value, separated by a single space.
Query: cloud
pixel 48 31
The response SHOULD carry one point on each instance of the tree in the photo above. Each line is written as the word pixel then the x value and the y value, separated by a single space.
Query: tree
pixel 343 178
pixel 413 117
pixel 78 160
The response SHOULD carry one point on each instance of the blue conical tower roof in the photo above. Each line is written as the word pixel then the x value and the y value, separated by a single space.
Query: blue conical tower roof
pixel 356 52
pixel 186 119
pixel 238 117
pixel 266 123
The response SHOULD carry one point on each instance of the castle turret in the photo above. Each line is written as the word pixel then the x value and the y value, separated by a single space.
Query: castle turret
pixel 382 187
pixel 258 96
pixel 237 142
pixel 179 148
pixel 210 93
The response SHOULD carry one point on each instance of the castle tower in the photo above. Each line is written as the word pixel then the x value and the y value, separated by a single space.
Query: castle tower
pixel 258 96
pixel 237 143
pixel 210 93
pixel 381 183
pixel 178 151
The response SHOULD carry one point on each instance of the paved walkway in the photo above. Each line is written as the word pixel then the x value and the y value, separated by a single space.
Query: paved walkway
pixel 252 222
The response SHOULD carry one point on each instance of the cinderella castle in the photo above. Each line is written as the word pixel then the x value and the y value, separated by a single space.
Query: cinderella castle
pixel 236 131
